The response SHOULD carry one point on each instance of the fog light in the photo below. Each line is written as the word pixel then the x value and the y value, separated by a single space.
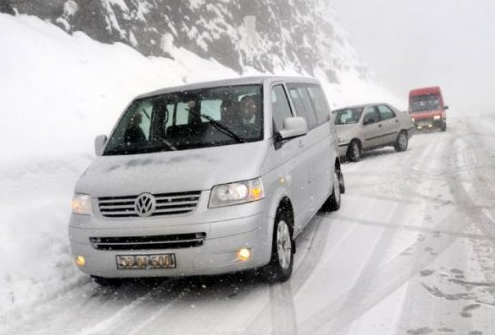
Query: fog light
pixel 243 254
pixel 80 261
pixel 430 125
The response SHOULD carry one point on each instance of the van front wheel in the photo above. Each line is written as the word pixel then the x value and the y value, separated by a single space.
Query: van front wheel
pixel 282 260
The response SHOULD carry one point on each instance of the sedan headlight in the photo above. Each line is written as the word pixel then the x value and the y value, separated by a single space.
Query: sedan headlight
pixel 237 193
pixel 436 117
pixel 81 204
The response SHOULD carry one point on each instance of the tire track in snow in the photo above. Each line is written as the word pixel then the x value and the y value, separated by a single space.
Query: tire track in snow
pixel 82 308
pixel 279 312
pixel 461 162
pixel 352 304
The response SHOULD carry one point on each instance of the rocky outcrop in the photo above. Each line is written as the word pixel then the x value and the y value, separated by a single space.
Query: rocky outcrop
pixel 267 35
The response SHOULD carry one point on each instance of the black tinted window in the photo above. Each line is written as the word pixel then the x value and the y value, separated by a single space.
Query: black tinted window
pixel 189 119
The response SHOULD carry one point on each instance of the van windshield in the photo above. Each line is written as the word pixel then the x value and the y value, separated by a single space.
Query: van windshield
pixel 189 120
pixel 348 115
pixel 424 103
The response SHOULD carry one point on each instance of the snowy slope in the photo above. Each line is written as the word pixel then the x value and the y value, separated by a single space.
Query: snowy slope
pixel 268 35
pixel 58 91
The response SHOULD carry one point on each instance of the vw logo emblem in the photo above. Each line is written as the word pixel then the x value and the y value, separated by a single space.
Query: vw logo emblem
pixel 145 205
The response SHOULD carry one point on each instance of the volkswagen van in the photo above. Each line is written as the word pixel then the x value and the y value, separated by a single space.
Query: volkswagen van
pixel 206 179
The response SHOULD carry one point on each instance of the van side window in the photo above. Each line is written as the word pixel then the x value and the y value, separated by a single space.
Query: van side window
pixel 280 106
pixel 319 103
pixel 385 112
pixel 302 104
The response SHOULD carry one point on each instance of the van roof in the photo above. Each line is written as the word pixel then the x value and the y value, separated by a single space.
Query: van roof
pixel 425 91
pixel 230 82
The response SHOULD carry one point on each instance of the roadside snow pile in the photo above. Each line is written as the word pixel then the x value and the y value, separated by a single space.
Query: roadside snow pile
pixel 58 93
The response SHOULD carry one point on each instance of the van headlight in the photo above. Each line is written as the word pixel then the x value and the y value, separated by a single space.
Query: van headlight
pixel 236 193
pixel 81 204
pixel 436 117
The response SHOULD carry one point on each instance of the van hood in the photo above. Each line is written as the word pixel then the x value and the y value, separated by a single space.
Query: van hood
pixel 172 171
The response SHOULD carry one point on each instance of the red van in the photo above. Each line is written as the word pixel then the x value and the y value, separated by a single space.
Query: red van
pixel 427 108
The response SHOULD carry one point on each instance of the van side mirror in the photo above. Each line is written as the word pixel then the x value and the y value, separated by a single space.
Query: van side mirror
pixel 100 142
pixel 445 107
pixel 294 127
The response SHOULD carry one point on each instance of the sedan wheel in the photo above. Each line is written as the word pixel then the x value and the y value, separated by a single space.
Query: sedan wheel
pixel 354 151
pixel 401 142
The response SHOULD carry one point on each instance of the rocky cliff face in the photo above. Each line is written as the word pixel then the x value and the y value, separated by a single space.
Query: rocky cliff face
pixel 267 35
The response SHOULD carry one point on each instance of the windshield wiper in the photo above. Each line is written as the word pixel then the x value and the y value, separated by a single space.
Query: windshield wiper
pixel 169 145
pixel 220 126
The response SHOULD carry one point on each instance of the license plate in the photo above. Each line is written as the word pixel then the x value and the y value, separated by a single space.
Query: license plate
pixel 146 262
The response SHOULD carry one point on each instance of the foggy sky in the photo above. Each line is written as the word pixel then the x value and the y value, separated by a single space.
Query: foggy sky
pixel 409 44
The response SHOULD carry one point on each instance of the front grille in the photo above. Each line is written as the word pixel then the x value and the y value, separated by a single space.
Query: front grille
pixel 176 241
pixel 166 204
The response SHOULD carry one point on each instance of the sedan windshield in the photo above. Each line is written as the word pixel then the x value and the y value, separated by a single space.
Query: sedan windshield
pixel 423 103
pixel 188 120
pixel 348 115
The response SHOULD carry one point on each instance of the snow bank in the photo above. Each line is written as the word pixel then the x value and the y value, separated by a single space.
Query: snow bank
pixel 57 93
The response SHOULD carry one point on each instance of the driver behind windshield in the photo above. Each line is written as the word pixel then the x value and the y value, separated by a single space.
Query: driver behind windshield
pixel 134 133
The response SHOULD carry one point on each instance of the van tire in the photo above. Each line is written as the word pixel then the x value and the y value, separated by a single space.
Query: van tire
pixel 354 151
pixel 334 200
pixel 282 258
pixel 401 142
pixel 443 127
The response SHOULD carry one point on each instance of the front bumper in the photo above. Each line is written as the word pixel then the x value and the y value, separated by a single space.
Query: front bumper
pixel 429 123
pixel 216 255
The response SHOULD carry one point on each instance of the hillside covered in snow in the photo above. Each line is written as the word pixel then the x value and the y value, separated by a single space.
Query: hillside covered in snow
pixel 267 35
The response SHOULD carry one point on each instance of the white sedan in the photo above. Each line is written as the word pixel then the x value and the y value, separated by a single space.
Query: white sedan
pixel 370 126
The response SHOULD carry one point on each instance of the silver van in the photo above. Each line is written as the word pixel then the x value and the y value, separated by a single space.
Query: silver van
pixel 207 179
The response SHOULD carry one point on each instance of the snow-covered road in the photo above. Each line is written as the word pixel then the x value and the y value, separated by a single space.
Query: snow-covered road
pixel 411 251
